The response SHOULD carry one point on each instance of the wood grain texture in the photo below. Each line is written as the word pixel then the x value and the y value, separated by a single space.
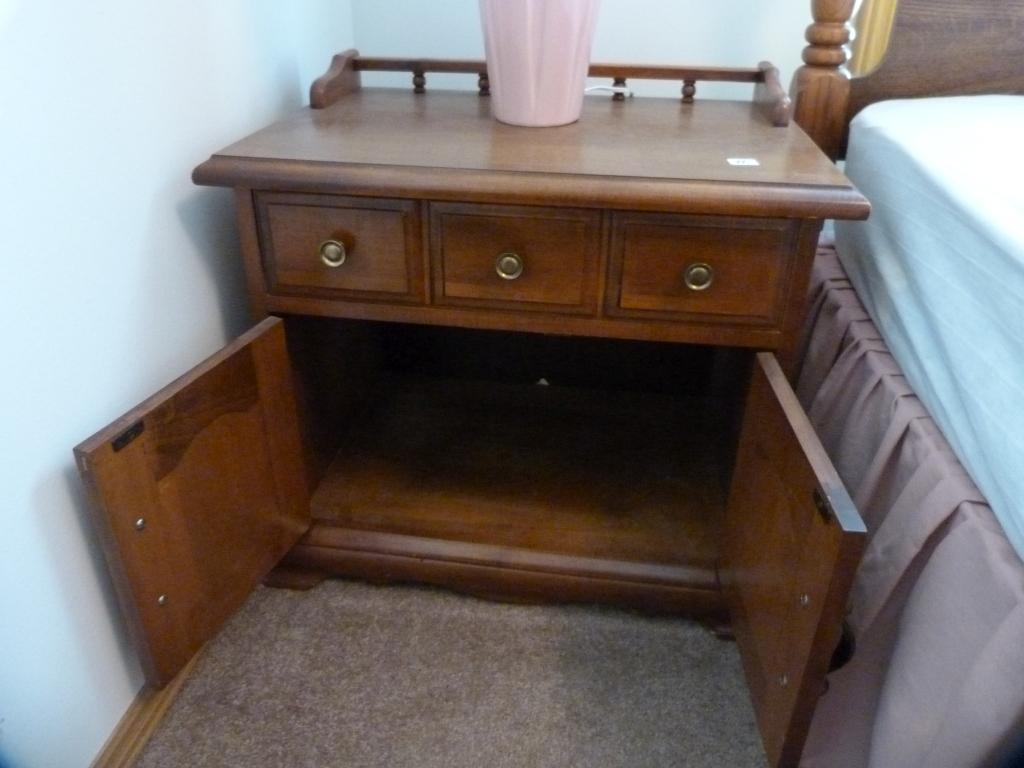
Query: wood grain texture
pixel 787 566
pixel 624 159
pixel 937 48
pixel 560 250
pixel 771 97
pixel 454 130
pixel 589 474
pixel 821 87
pixel 252 261
pixel 340 79
pixel 639 71
pixel 670 72
pixel 524 492
pixel 213 467
pixel 821 100
pixel 552 493
pixel 140 722
pixel 697 196
pixel 628 155
pixel 382 239
pixel 326 534
pixel 751 262
pixel 718 331
pixel 612 70
pixel 513 491
pixel 796 300
pixel 336 371
pixel 515 584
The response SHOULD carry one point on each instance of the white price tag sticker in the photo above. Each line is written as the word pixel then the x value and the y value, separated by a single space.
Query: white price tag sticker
pixel 741 161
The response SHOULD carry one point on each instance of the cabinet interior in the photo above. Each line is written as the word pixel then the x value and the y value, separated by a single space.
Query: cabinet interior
pixel 597 449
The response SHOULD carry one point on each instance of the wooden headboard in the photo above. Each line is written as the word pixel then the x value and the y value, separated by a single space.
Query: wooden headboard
pixel 937 48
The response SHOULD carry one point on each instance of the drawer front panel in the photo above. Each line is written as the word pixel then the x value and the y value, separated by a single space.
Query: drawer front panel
pixel 344 246
pixel 700 268
pixel 515 257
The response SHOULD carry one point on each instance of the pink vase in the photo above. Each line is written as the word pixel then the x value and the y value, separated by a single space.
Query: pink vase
pixel 538 53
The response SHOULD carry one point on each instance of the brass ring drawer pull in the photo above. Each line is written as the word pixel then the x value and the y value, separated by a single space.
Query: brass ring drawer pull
pixel 332 253
pixel 699 276
pixel 509 265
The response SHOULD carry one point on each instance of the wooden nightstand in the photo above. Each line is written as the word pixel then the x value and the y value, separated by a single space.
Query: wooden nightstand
pixel 517 363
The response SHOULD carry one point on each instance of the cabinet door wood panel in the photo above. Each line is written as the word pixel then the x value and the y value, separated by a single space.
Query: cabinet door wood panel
pixel 792 541
pixel 557 250
pixel 197 493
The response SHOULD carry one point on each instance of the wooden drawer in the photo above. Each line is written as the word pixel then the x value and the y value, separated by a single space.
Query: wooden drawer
pixel 380 255
pixel 515 257
pixel 700 267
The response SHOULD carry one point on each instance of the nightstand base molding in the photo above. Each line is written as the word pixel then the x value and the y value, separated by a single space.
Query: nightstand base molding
pixel 509 574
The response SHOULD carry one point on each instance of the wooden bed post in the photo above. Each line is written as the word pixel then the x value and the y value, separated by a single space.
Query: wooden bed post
pixel 821 88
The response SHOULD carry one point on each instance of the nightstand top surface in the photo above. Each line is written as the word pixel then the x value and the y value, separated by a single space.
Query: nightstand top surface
pixel 648 153
pixel 638 138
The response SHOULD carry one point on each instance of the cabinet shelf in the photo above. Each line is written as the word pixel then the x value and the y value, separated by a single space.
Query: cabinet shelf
pixel 622 486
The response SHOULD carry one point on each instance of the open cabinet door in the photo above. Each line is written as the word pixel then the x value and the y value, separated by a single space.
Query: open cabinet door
pixel 792 542
pixel 197 493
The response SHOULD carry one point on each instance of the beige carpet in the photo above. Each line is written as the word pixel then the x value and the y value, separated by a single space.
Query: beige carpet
pixel 352 675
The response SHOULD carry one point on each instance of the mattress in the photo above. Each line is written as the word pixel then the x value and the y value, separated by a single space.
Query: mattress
pixel 940 268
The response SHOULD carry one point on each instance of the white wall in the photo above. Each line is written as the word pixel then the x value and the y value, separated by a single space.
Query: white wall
pixel 725 33
pixel 116 275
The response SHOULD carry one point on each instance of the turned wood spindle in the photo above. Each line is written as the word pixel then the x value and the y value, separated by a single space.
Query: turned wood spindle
pixel 619 82
pixel 419 81
pixel 484 84
pixel 829 33
pixel 821 88
pixel 689 91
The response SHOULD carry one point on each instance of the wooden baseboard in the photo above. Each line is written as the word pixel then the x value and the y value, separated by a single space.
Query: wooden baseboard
pixel 140 722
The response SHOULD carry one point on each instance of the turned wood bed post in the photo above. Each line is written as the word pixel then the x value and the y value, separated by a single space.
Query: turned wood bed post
pixel 821 88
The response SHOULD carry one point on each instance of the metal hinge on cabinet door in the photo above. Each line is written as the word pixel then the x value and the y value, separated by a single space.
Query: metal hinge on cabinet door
pixel 824 506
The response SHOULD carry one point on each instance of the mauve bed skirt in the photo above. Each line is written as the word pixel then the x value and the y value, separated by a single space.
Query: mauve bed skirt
pixel 937 609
